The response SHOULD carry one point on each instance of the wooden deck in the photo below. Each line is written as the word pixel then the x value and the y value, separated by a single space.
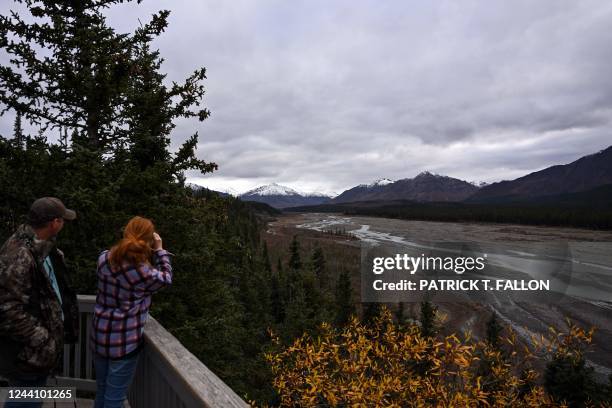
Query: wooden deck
pixel 81 403
pixel 168 375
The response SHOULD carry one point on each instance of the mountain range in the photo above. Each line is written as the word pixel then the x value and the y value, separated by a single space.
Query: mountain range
pixel 424 187
pixel 547 185
pixel 584 174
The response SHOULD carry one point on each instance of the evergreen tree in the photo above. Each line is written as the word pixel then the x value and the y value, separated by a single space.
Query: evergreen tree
pixel 295 262
pixel 571 380
pixel 301 313
pixel 344 298
pixel 494 329
pixel 487 361
pixel 428 319
pixel 400 315
pixel 266 258
pixel 277 303
pixel 318 266
pixel 105 86
pixel 18 136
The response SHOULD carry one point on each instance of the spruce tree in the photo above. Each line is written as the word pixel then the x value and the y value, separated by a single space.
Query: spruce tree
pixel 18 137
pixel 301 312
pixel 104 86
pixel 295 262
pixel 318 266
pixel 276 300
pixel 344 298
pixel 493 331
pixel 400 315
pixel 570 379
pixel 265 257
pixel 428 319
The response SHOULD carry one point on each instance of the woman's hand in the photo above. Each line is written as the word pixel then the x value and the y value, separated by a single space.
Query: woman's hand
pixel 157 241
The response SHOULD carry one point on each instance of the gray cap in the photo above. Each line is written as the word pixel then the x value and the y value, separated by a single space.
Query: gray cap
pixel 48 208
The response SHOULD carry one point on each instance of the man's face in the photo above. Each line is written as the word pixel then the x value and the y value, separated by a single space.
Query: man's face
pixel 56 225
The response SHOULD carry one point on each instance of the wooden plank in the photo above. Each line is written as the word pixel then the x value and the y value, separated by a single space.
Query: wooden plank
pixel 80 383
pixel 80 403
pixel 189 377
pixel 167 371
pixel 138 394
pixel 77 350
pixel 88 354
pixel 87 303
pixel 66 361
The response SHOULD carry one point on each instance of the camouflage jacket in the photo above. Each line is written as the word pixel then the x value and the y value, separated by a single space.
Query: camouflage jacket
pixel 32 331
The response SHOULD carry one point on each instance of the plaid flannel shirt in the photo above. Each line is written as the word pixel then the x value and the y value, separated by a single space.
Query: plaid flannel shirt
pixel 123 302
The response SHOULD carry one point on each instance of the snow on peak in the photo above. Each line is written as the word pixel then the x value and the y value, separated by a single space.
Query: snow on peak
pixel 277 189
pixel 383 182
pixel 379 182
pixel 272 189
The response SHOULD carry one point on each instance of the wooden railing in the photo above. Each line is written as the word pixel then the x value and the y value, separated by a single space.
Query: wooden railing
pixel 167 376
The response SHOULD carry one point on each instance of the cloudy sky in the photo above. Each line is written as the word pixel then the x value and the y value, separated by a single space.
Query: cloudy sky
pixel 324 95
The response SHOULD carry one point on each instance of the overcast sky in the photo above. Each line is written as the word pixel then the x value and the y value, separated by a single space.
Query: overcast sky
pixel 325 95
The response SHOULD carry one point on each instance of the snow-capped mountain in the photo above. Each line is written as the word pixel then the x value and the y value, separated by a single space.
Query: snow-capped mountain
pixel 362 190
pixel 379 182
pixel 229 191
pixel 271 190
pixel 280 196
pixel 424 187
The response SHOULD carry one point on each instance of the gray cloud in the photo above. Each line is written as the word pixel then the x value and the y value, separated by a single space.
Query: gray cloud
pixel 327 95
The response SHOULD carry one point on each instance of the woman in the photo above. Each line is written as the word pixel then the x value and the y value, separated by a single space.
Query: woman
pixel 128 274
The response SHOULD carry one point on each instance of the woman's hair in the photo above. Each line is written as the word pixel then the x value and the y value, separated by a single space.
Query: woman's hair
pixel 134 248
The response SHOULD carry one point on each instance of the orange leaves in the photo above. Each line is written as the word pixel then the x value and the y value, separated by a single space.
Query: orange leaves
pixel 387 365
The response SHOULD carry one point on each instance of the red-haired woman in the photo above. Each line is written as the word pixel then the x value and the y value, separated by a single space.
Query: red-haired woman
pixel 128 274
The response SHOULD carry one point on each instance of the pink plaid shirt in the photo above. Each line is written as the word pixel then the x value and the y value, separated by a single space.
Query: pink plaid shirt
pixel 123 302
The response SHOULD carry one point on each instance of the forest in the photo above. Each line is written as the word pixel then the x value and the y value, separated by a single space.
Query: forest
pixel 591 210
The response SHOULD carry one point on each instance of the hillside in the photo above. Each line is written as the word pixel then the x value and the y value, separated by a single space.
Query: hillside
pixel 424 187
pixel 583 174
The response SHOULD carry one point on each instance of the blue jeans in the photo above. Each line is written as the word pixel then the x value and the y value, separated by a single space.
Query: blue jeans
pixel 113 378
pixel 26 381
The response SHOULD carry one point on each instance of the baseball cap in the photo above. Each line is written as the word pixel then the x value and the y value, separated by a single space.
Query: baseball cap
pixel 48 208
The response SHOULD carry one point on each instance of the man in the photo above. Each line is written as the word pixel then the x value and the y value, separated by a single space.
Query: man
pixel 38 311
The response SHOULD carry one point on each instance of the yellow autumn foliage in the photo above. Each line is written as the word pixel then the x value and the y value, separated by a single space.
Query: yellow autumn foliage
pixel 383 365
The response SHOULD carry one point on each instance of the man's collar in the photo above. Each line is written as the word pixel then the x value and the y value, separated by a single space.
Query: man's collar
pixel 39 247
